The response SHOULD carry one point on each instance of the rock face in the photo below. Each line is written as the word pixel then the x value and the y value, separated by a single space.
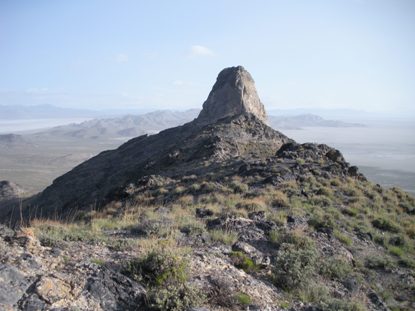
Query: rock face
pixel 12 285
pixel 231 126
pixel 233 93
pixel 35 277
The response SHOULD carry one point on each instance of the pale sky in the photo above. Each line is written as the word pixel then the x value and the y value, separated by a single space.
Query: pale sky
pixel 355 54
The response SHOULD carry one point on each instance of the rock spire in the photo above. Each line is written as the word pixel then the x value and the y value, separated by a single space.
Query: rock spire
pixel 234 93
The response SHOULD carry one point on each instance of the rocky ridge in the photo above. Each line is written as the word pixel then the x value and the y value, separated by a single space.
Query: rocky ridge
pixel 230 126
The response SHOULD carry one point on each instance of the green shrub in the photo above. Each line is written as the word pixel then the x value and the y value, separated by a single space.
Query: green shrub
pixel 320 200
pixel 320 297
pixel 321 222
pixel 174 297
pixel 379 263
pixel 279 237
pixel 385 224
pixel 208 187
pixel 194 188
pixel 397 240
pixel 98 261
pixel 280 200
pixel 179 190
pixel 335 182
pixel 242 261
pixel 408 207
pixel 341 305
pixel 349 189
pixel 312 294
pixel 407 262
pixel 335 268
pixel 161 191
pixel 274 236
pixel 166 275
pixel 54 233
pixel 157 268
pixel 159 226
pixel 251 206
pixel 325 191
pixel 277 217
pixel 284 304
pixel 343 238
pixel 239 187
pixel 396 250
pixel 121 244
pixel 294 266
pixel 224 236
pixel 243 299
pixel 351 211
pixel 410 230
pixel 379 239
pixel 300 161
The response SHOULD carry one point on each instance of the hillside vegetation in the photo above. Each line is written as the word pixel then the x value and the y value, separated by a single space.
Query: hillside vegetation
pixel 335 243
pixel 222 213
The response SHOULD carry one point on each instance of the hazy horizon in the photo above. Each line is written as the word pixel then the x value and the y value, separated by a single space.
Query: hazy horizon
pixel 355 54
pixel 341 114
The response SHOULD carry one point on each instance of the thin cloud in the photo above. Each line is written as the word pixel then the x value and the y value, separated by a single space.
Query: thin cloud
pixel 178 83
pixel 200 50
pixel 121 58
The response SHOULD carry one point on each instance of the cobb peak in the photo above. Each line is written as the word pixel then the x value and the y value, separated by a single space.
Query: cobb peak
pixel 234 93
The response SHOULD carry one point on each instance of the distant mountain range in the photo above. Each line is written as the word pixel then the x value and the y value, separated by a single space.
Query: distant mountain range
pixel 47 111
pixel 11 139
pixel 125 126
pixel 154 122
pixel 347 114
pixel 306 120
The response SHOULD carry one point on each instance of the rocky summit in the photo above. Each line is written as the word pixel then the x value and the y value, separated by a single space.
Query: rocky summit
pixel 230 127
pixel 221 213
pixel 234 93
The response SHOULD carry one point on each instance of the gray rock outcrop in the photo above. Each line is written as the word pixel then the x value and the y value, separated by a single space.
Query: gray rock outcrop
pixel 36 277
pixel 234 93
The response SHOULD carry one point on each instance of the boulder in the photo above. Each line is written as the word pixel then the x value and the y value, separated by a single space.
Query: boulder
pixel 13 284
pixel 52 289
pixel 115 291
